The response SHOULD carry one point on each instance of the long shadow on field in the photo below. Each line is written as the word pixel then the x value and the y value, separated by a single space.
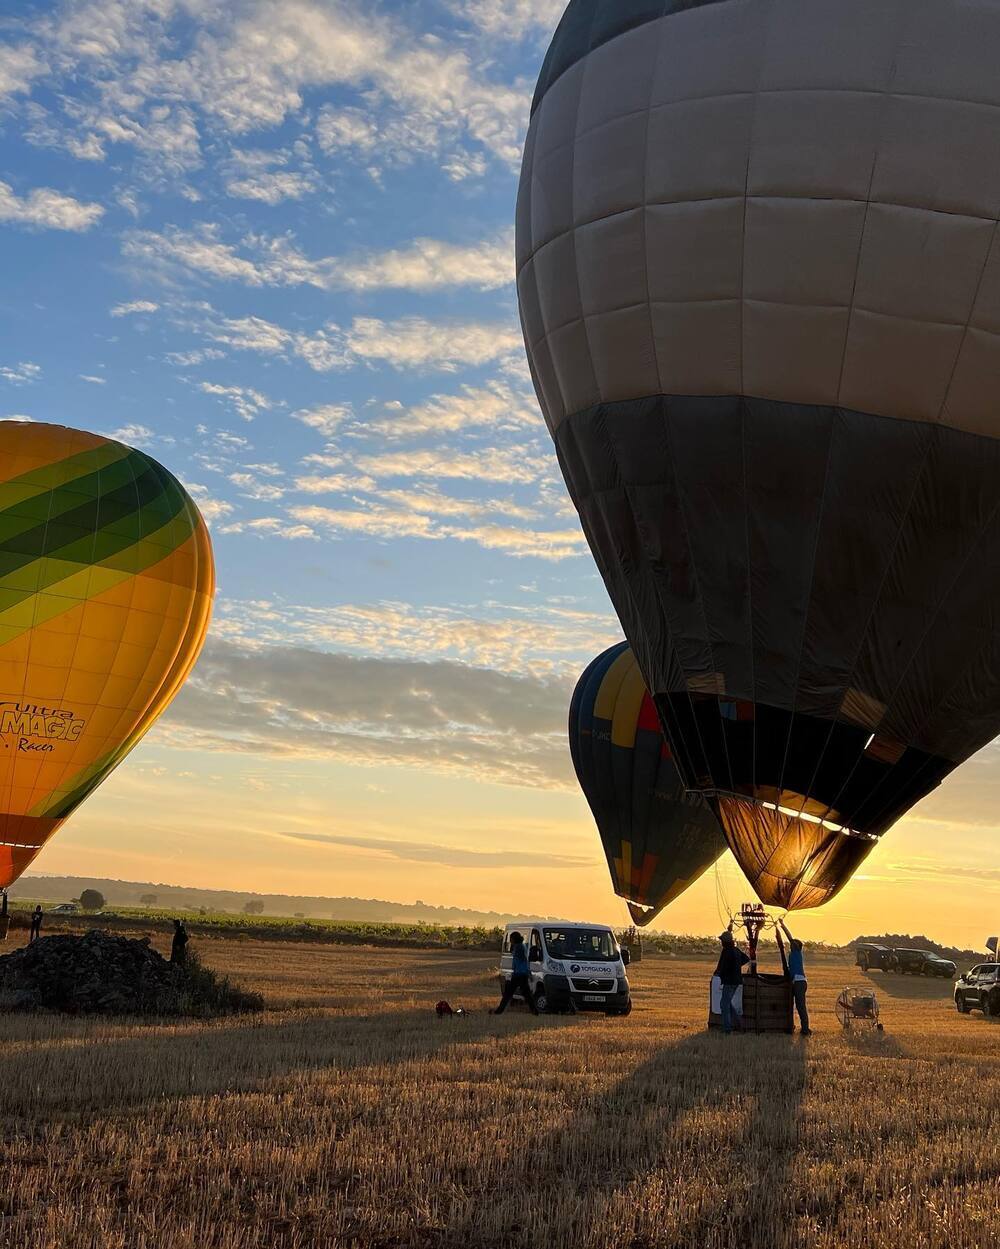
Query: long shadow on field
pixel 71 1077
pixel 692 1150
pixel 914 988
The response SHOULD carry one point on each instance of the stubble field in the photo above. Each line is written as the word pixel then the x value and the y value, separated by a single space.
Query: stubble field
pixel 348 1115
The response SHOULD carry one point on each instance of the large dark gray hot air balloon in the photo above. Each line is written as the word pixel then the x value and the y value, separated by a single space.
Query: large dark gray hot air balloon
pixel 759 279
pixel 658 839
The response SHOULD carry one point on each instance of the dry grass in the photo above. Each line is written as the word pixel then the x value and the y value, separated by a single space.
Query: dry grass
pixel 348 1115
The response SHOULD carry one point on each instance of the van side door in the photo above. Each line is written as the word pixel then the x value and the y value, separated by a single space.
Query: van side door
pixel 536 957
pixel 506 959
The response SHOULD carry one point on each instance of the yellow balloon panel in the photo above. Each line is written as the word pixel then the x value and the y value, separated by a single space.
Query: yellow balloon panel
pixel 106 584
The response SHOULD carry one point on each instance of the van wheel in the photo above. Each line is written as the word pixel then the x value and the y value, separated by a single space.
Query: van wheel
pixel 961 1004
pixel 541 1001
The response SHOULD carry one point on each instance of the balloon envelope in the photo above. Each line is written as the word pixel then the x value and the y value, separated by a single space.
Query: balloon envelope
pixel 657 838
pixel 759 281
pixel 106 583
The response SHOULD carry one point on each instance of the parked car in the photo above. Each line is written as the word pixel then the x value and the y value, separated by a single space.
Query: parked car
pixel 921 963
pixel 979 989
pixel 571 966
pixel 868 956
pixel 65 908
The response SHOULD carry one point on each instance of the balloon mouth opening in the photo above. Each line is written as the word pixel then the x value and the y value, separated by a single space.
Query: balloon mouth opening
pixel 791 812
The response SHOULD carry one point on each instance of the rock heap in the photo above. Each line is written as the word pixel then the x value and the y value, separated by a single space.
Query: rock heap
pixel 95 973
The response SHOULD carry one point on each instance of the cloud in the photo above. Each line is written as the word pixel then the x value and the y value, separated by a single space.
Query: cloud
pixel 326 419
pixel 548 639
pixel 244 400
pixel 272 187
pixel 20 374
pixel 171 78
pixel 45 209
pixel 551 545
pixel 334 483
pixel 495 405
pixel 20 65
pixel 94 380
pixel 271 526
pixel 212 508
pixel 494 464
pixel 379 519
pixel 447 717
pixel 135 435
pixel 252 487
pixel 259 260
pixel 414 342
pixel 445 856
pixel 511 19
pixel 136 306
pixel 408 343
pixel 430 264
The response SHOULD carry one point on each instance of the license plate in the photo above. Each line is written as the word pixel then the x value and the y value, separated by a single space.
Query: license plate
pixel 595 997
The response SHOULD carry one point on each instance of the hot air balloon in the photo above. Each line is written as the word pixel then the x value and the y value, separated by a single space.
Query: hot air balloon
pixel 106 583
pixel 658 839
pixel 759 282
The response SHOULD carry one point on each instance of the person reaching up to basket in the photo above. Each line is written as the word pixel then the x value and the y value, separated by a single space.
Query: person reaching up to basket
pixel 730 972
pixel 797 972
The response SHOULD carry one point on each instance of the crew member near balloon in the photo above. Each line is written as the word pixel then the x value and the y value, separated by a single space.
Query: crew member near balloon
pixel 732 960
pixel 36 925
pixel 797 974
pixel 178 945
pixel 519 980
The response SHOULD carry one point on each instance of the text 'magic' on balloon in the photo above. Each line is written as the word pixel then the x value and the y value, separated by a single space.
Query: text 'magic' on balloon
pixel 106 584
pixel 759 282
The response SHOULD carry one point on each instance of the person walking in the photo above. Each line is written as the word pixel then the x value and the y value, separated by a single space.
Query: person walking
pixel 36 925
pixel 732 960
pixel 519 979
pixel 178 946
pixel 797 972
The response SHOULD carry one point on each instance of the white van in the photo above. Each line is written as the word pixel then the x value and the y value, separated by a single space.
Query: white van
pixel 572 966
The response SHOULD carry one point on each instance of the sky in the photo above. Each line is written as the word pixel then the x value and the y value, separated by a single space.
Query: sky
pixel 271 243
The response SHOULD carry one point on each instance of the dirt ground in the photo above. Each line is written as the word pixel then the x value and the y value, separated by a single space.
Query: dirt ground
pixel 348 1115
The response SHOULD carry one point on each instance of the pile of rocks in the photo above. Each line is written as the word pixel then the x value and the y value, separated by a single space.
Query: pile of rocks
pixel 95 973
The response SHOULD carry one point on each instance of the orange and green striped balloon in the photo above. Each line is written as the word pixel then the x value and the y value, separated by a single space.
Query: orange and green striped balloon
pixel 106 584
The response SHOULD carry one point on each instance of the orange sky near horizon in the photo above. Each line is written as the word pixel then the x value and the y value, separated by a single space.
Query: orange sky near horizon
pixel 232 821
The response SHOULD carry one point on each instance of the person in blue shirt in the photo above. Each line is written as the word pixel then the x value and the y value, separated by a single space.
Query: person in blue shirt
pixel 797 972
pixel 730 972
pixel 520 979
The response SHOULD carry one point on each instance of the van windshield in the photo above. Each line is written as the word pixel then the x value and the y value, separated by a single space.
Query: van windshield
pixel 580 943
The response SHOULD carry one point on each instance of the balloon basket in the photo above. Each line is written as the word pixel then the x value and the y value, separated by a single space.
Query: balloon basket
pixel 765 1003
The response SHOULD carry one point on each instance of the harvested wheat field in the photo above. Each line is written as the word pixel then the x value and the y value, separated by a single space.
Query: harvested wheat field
pixel 347 1114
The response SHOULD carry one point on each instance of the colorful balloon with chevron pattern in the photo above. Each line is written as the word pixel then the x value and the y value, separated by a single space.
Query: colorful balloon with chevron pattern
pixel 106 584
pixel 657 838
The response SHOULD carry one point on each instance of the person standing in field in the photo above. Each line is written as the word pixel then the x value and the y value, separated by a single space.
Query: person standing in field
pixel 519 977
pixel 730 972
pixel 36 925
pixel 797 972
pixel 178 946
